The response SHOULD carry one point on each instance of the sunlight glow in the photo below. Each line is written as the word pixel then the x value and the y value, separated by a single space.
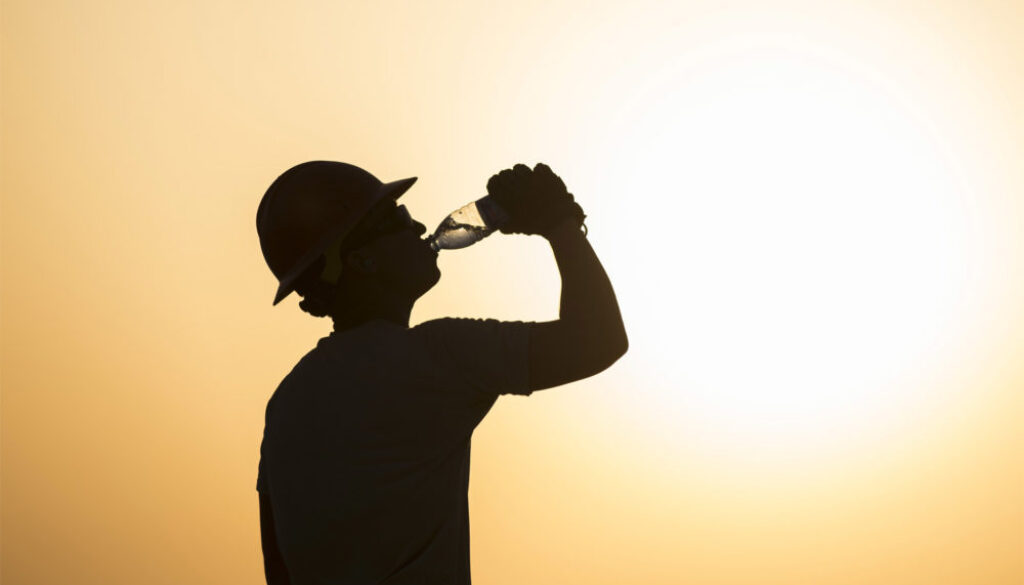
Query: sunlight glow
pixel 799 247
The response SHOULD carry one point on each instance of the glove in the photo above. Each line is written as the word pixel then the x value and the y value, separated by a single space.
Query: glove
pixel 536 201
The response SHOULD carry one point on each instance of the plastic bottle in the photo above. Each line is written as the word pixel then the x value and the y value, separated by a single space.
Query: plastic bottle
pixel 468 225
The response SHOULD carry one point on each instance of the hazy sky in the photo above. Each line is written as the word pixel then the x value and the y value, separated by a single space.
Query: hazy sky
pixel 811 214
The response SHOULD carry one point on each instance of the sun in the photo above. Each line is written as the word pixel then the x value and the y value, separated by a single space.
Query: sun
pixel 792 251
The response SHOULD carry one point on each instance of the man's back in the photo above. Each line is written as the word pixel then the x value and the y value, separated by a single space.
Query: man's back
pixel 366 448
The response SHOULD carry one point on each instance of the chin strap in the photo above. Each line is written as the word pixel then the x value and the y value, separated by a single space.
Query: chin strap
pixel 333 264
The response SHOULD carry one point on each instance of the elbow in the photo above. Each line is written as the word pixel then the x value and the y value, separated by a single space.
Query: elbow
pixel 621 345
pixel 614 351
pixel 621 349
pixel 597 350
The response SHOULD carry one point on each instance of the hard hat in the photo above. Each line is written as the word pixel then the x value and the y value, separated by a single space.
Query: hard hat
pixel 310 207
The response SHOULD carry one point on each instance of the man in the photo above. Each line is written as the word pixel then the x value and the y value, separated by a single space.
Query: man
pixel 364 467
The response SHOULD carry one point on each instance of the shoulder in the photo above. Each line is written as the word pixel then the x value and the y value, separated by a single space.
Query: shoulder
pixel 468 334
pixel 468 325
pixel 487 354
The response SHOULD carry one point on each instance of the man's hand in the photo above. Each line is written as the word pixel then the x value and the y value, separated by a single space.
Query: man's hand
pixel 535 200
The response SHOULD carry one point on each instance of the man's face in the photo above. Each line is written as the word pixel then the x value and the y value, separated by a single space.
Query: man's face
pixel 401 259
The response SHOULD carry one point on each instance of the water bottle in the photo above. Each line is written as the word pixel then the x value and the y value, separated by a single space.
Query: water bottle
pixel 468 225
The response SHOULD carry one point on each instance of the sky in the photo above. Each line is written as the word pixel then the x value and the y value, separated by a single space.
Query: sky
pixel 811 213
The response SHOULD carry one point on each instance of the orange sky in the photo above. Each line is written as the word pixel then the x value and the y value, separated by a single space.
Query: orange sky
pixel 812 217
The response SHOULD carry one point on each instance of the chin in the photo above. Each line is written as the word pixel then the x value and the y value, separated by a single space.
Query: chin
pixel 434 279
pixel 428 282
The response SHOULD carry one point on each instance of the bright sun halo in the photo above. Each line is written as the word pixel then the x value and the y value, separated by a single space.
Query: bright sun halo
pixel 794 241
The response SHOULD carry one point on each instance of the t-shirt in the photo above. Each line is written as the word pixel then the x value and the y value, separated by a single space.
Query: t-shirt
pixel 366 449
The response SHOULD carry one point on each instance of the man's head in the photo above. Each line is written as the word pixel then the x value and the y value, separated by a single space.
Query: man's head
pixel 326 226
pixel 382 256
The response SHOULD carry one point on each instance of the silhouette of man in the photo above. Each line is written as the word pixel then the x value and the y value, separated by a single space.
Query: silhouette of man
pixel 364 465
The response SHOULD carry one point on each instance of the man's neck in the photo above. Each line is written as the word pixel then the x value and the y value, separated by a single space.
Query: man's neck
pixel 371 307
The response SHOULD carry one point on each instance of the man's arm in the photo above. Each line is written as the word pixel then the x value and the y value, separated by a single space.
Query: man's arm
pixel 273 563
pixel 589 335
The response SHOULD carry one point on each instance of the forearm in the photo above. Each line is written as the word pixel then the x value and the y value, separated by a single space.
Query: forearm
pixel 587 303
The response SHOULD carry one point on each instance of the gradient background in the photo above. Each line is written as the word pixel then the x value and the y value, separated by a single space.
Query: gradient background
pixel 812 216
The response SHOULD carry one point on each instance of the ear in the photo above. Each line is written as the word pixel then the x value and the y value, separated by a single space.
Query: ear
pixel 332 264
pixel 360 261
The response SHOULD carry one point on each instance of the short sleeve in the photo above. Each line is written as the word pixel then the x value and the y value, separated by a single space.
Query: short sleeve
pixel 487 356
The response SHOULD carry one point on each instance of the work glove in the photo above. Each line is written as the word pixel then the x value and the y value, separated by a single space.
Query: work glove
pixel 536 201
